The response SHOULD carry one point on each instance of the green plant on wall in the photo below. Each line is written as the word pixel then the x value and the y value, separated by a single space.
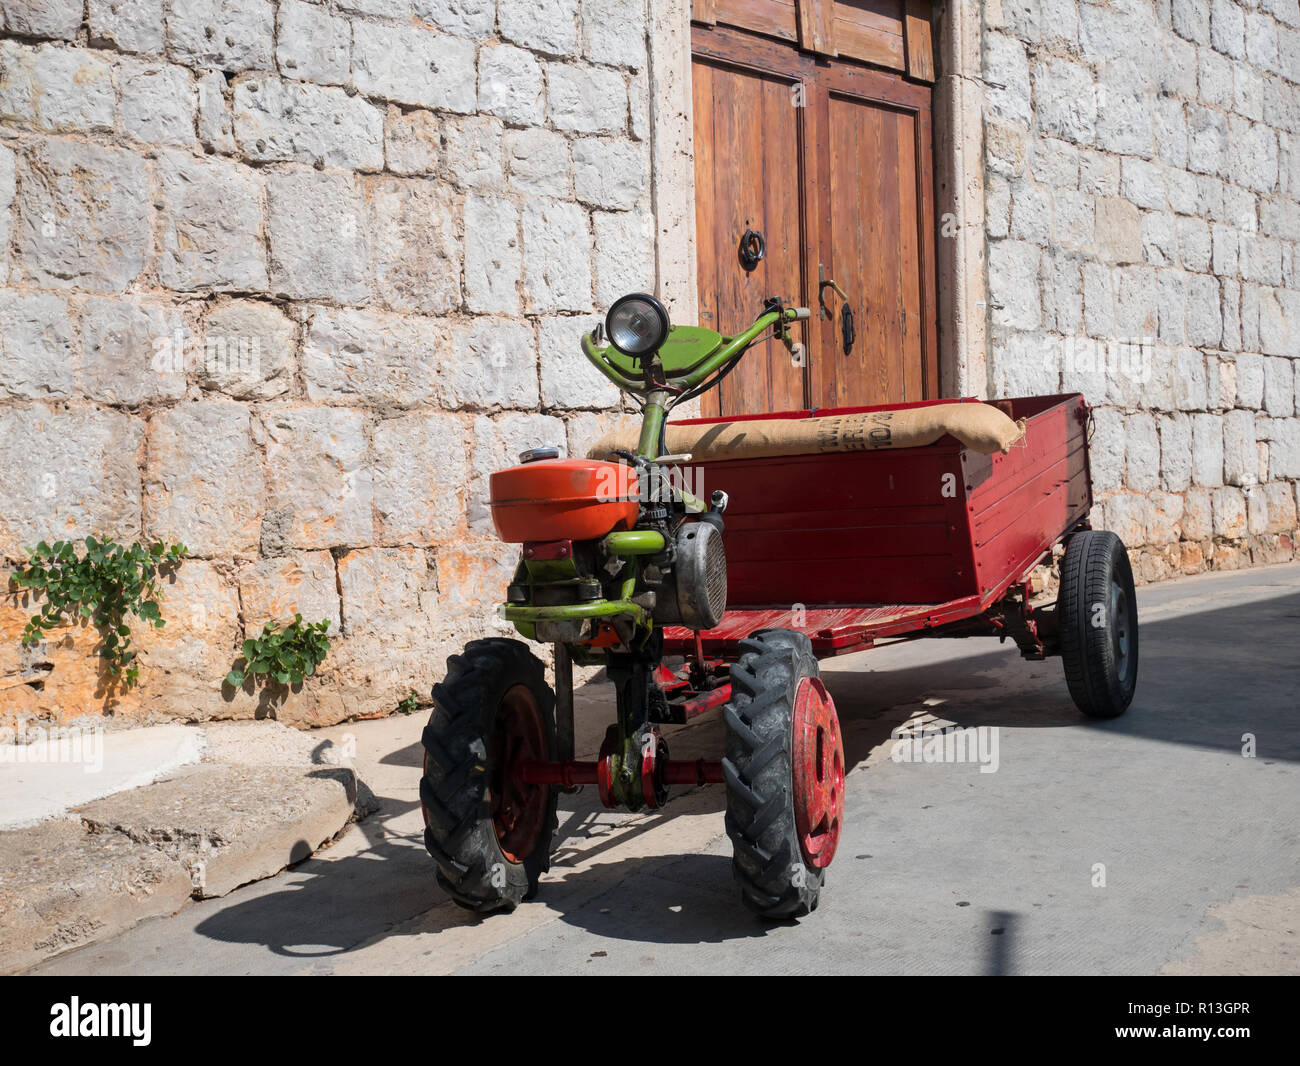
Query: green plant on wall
pixel 285 655
pixel 409 705
pixel 103 585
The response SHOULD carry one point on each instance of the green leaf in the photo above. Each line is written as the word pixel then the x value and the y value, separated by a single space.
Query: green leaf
pixel 235 679
pixel 106 583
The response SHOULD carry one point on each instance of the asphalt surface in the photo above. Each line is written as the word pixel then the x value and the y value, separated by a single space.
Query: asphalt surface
pixel 1143 845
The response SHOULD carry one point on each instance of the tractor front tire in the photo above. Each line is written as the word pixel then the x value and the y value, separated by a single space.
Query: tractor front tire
pixel 784 771
pixel 489 834
pixel 1097 614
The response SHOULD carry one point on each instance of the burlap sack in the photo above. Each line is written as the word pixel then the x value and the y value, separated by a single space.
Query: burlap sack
pixel 978 426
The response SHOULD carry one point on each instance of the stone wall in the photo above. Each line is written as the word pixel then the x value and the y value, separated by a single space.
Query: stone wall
pixel 1142 173
pixel 284 281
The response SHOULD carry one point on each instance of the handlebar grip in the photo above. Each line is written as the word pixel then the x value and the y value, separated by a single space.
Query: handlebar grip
pixel 801 313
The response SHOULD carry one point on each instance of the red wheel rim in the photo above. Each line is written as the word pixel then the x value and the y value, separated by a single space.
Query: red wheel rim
pixel 517 808
pixel 818 773
pixel 651 755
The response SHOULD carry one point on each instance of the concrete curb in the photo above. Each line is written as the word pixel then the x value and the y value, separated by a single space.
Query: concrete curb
pixel 55 773
pixel 264 797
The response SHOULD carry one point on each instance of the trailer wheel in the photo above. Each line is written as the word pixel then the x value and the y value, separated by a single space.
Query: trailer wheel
pixel 784 770
pixel 489 835
pixel 1097 615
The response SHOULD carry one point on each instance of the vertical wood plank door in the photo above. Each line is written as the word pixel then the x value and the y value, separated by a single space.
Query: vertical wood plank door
pixel 873 256
pixel 831 158
pixel 745 122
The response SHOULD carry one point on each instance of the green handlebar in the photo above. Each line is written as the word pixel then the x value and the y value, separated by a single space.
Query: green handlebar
pixel 597 358
pixel 730 348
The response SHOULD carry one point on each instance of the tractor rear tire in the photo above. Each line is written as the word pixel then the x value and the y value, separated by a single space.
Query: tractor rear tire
pixel 489 835
pixel 1097 615
pixel 778 861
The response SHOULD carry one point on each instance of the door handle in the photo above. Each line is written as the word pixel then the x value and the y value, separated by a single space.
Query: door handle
pixel 848 330
pixel 823 283
pixel 751 250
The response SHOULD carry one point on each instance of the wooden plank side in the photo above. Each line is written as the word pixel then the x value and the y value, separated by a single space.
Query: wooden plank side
pixel 899 511
pixel 817 26
pixel 816 334
pixel 783 232
pixel 871 46
pixel 918 40
pixel 885 16
pixel 887 271
pixel 871 30
pixel 884 485
pixel 916 369
pixel 704 11
pixel 844 528
pixel 830 383
pixel 912 579
pixel 1043 517
pixel 910 351
pixel 739 179
pixel 786 547
pixel 748 109
pixel 776 18
pixel 1020 503
pixel 876 360
pixel 929 263
pixel 705 170
pixel 1052 437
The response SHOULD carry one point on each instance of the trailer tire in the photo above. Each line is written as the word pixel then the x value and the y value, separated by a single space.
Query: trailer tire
pixel 770 859
pixel 491 842
pixel 1097 616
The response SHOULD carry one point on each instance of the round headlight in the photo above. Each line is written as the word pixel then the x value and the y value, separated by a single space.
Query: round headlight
pixel 637 324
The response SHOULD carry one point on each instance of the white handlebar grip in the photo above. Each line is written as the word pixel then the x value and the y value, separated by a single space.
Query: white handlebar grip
pixel 801 313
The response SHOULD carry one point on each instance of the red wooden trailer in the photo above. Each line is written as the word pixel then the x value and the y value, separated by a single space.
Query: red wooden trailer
pixel 825 554
pixel 854 548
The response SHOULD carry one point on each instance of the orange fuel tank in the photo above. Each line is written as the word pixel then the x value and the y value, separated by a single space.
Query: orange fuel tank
pixel 563 499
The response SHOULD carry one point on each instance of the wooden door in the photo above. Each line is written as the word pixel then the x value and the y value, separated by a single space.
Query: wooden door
pixel 831 160
pixel 744 124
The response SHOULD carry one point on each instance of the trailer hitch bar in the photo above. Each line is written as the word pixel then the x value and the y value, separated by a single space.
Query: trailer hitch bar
pixel 571 772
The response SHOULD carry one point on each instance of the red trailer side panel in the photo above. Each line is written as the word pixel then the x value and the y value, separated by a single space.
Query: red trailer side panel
pixel 1020 503
pixel 855 528
pixel 852 547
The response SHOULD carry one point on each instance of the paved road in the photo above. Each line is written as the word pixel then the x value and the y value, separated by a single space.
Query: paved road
pixel 941 869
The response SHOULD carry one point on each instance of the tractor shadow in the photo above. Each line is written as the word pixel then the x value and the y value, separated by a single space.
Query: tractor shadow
pixel 326 906
pixel 1206 679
